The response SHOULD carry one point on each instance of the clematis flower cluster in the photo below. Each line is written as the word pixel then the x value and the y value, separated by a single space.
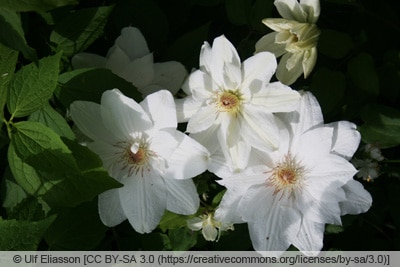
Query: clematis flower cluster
pixel 287 174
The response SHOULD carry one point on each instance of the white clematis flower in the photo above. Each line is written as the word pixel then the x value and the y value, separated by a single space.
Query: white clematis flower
pixel 288 196
pixel 210 228
pixel 295 37
pixel 131 59
pixel 230 104
pixel 141 148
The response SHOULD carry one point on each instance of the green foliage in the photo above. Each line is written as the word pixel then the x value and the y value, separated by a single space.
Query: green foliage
pixel 35 5
pixel 12 34
pixel 22 235
pixel 382 125
pixel 46 167
pixel 32 86
pixel 363 74
pixel 89 84
pixel 77 30
pixel 8 60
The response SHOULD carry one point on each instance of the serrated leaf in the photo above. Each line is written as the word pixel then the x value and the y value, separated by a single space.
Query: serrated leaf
pixel 363 73
pixel 182 239
pixel 12 34
pixel 8 60
pixel 77 228
pixel 11 192
pixel 89 85
pixel 52 119
pixel 46 168
pixel 32 86
pixel 382 125
pixel 28 210
pixel 22 235
pixel 42 148
pixel 35 5
pixel 75 32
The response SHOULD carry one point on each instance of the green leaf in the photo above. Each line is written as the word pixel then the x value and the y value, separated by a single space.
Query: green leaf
pixel 238 11
pixel 46 168
pixel 172 220
pixel 186 48
pixel 32 86
pixel 382 125
pixel 8 60
pixel 333 229
pixel 29 209
pixel 35 5
pixel 328 87
pixel 76 31
pixel 22 235
pixel 11 192
pixel 89 85
pixel 182 239
pixel 52 119
pixel 343 43
pixel 363 73
pixel 77 228
pixel 12 34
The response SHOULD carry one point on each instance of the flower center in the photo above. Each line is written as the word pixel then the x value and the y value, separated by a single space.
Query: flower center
pixel 136 155
pixel 229 101
pixel 287 176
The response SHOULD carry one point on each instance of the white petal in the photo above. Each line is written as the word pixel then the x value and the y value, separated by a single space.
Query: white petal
pixel 160 106
pixel 110 209
pixel 309 61
pixel 268 43
pixel 227 210
pixel 268 231
pixel 132 42
pixel 88 60
pixel 313 9
pixel 313 146
pixel 199 85
pixel 277 97
pixel 144 201
pixel 186 107
pixel 188 159
pixel 123 115
pixel 87 116
pixel 224 66
pixel 259 127
pixel 318 210
pixel 117 60
pixel 182 197
pixel 208 138
pixel 257 71
pixel 202 120
pixel 164 143
pixel 284 74
pixel 358 199
pixel 169 75
pixel 111 158
pixel 346 138
pixel 195 224
pixel 310 237
pixel 140 72
pixel 209 232
pixel 291 9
